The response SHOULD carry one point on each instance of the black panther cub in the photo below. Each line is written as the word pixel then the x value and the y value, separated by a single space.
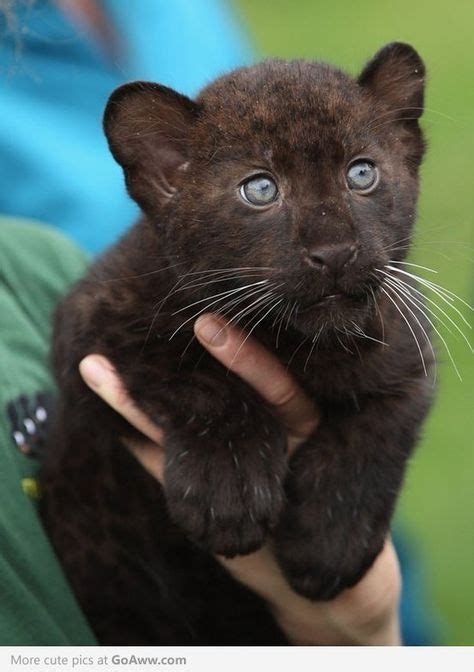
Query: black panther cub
pixel 276 199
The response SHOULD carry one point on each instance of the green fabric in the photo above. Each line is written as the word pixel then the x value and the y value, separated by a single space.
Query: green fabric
pixel 37 607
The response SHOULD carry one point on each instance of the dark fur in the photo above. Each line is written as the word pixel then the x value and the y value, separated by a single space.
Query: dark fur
pixel 123 540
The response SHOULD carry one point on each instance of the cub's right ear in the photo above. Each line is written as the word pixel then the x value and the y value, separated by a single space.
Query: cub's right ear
pixel 148 126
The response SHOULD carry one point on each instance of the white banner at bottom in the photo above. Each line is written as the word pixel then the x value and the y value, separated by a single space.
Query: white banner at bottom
pixel 234 659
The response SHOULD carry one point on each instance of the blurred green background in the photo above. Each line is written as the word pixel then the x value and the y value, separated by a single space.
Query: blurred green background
pixel 437 504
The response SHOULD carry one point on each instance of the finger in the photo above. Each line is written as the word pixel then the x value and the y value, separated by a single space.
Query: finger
pixel 262 370
pixel 364 614
pixel 99 374
pixel 260 572
pixel 150 455
pixel 303 621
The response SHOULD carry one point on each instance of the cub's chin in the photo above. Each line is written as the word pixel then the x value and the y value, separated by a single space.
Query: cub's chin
pixel 338 312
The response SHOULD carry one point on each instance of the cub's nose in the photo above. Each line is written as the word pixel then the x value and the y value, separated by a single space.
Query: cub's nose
pixel 332 258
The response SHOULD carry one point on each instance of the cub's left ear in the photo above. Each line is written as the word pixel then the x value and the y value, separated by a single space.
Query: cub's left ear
pixel 396 77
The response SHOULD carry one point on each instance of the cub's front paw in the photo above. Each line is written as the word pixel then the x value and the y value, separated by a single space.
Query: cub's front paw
pixel 226 491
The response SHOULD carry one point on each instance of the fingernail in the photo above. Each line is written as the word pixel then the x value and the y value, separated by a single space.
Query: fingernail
pixel 211 330
pixel 93 371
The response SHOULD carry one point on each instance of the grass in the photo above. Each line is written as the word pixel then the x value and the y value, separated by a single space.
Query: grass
pixel 437 504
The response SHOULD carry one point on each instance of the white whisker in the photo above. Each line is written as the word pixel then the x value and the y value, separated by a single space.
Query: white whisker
pixel 143 275
pixel 227 278
pixel 394 289
pixel 313 345
pixel 295 351
pixel 424 308
pixel 274 305
pixel 408 325
pixel 244 312
pixel 443 312
pixel 157 312
pixel 227 292
pixel 293 307
pixel 260 310
pixel 233 269
pixel 281 319
pixel 435 315
pixel 409 263
pixel 430 284
pixel 377 308
pixel 360 332
pixel 206 307
pixel 443 341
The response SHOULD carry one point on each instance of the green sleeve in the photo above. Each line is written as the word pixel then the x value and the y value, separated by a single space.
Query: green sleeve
pixel 37 264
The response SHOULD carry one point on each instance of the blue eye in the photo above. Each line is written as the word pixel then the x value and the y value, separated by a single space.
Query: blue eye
pixel 260 190
pixel 362 176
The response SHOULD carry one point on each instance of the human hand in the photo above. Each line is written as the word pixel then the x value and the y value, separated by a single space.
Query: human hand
pixel 366 614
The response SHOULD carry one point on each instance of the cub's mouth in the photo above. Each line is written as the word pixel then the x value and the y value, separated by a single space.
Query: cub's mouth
pixel 337 310
pixel 337 300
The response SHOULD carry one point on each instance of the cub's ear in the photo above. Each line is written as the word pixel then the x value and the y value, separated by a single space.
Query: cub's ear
pixel 396 77
pixel 148 126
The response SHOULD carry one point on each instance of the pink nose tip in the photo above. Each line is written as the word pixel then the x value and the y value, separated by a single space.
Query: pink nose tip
pixel 332 258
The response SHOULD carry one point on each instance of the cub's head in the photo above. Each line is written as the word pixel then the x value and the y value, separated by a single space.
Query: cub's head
pixel 290 174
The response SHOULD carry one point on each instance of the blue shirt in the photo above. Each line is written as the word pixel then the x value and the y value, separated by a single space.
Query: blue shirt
pixel 55 78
